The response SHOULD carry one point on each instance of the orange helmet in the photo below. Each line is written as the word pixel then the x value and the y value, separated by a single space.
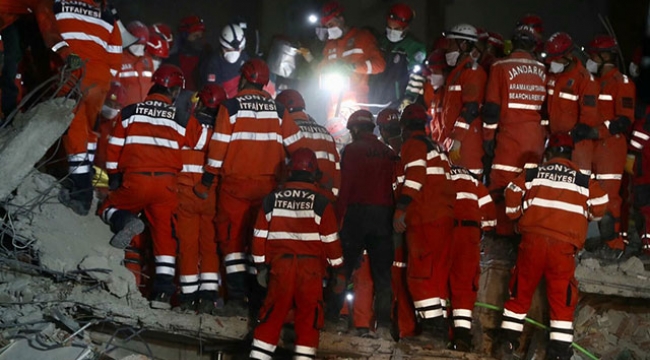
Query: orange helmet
pixel 602 43
pixel 304 159
pixel 401 14
pixel 169 76
pixel 211 95
pixel 139 30
pixel 414 114
pixel 157 46
pixel 330 10
pixel 388 118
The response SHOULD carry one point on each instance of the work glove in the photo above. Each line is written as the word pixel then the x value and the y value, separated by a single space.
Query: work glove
pixel 263 275
pixel 399 221
pixel 115 181
pixel 629 164
pixel 201 190
pixel 454 152
pixel 73 62
pixel 619 125
pixel 488 147
pixel 584 132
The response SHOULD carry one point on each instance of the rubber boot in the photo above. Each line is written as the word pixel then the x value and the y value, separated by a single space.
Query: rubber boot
pixel 506 345
pixel 557 350
pixel 462 339
pixel 125 226
pixel 163 289
pixel 79 195
pixel 188 303
pixel 209 302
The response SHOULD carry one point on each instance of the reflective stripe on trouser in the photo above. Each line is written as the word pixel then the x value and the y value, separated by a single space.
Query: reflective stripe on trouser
pixel 156 196
pixel 516 145
pixel 540 256
pixel 197 245
pixel 238 202
pixel 294 283
pixel 403 313
pixel 429 249
pixel 362 303
pixel 463 280
pixel 80 137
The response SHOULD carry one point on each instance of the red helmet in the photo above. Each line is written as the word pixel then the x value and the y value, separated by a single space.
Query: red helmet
pixel 190 24
pixel 117 93
pixel 532 20
pixel 440 43
pixel 558 45
pixel 360 117
pixel 139 30
pixel 495 39
pixel 169 76
pixel 388 118
pixel 291 99
pixel 255 71
pixel 482 34
pixel 304 159
pixel 602 43
pixel 163 30
pixel 414 114
pixel 560 140
pixel 435 61
pixel 157 46
pixel 330 10
pixel 400 14
pixel 211 95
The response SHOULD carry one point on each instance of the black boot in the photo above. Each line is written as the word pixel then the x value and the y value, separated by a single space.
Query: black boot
pixel 188 302
pixel 557 350
pixel 125 226
pixel 162 291
pixel 78 194
pixel 507 342
pixel 462 339
pixel 208 302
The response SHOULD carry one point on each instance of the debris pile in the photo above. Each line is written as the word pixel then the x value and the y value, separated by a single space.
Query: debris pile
pixel 627 278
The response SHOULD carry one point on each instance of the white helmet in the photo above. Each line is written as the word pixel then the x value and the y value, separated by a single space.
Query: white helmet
pixel 463 32
pixel 232 37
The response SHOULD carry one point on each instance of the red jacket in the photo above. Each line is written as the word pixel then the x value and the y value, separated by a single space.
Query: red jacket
pixel 296 220
pixel 572 99
pixel 464 95
pixel 616 99
pixel 93 34
pixel 149 137
pixel 427 193
pixel 516 90
pixel 473 200
pixel 555 200
pixel 135 77
pixel 367 173
pixel 433 102
pixel 194 157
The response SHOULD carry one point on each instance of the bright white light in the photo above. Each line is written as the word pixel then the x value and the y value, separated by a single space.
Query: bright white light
pixel 312 19
pixel 334 82
pixel 349 297
pixel 543 55
pixel 417 68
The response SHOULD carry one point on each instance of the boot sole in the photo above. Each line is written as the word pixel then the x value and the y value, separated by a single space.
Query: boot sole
pixel 160 305
pixel 123 237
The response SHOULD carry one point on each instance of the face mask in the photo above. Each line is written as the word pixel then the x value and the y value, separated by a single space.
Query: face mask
pixel 452 58
pixel 592 66
pixel 334 33
pixel 137 49
pixel 231 56
pixel 156 64
pixel 436 80
pixel 109 112
pixel 634 70
pixel 394 35
pixel 321 33
pixel 556 67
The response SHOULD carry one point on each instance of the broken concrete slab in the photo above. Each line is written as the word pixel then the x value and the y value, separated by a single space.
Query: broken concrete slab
pixel 25 349
pixel 627 278
pixel 28 138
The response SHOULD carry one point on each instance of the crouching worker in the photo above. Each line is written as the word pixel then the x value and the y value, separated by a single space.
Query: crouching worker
pixel 142 161
pixel 301 230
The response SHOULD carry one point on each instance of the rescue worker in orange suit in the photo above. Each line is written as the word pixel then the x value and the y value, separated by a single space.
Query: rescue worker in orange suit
pixel 513 105
pixel 349 50
pixel 604 147
pixel 534 22
pixel 553 204
pixel 365 209
pixel 434 91
pixel 638 166
pixel 295 235
pixel 198 262
pixel 106 121
pixel 463 98
pixel 316 138
pixel 137 65
pixel 143 160
pixel 192 50
pixel 96 38
pixel 473 211
pixel 157 48
pixel 425 211
pixel 251 136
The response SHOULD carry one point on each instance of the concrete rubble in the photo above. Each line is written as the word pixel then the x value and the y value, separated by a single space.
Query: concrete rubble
pixel 627 278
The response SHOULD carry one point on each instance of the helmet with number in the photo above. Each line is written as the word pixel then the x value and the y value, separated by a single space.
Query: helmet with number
pixel 562 141
pixel 361 118
pixel 414 114
pixel 462 32
pixel 495 39
pixel 557 46
pixel 330 10
pixel 190 24
pixel 169 76
pixel 602 43
pixel 116 94
pixel 232 37
pixel 533 21
pixel 163 30
pixel 211 95
pixel 304 159
pixel 157 46
pixel 139 30
pixel 255 71
pixel 400 14
pixel 292 100
pixel 388 118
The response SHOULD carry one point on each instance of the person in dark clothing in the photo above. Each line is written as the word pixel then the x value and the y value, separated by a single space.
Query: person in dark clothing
pixel 192 50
